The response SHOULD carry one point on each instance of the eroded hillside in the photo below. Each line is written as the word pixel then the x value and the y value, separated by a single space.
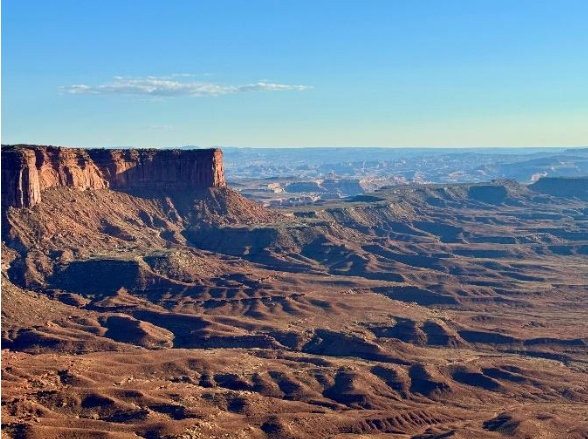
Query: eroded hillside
pixel 418 311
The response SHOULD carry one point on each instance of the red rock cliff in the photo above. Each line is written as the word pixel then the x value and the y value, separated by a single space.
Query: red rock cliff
pixel 29 170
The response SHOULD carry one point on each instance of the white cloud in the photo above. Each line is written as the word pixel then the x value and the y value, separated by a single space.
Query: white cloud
pixel 170 86
pixel 161 127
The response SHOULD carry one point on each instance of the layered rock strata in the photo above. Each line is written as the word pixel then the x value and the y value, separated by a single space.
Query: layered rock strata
pixel 28 170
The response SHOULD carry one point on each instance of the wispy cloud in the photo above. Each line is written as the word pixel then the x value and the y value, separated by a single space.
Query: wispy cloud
pixel 172 86
pixel 161 127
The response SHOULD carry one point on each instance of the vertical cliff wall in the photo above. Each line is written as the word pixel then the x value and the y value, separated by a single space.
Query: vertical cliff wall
pixel 20 179
pixel 28 170
pixel 563 186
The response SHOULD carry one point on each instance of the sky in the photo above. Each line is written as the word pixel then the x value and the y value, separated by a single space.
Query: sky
pixel 385 73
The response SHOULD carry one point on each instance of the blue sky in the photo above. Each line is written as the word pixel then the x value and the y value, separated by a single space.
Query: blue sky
pixel 300 73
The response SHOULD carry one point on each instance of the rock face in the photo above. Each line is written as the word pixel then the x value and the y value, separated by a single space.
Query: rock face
pixel 28 170
pixel 563 186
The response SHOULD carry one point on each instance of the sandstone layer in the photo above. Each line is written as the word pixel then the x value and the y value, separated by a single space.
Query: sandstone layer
pixel 29 170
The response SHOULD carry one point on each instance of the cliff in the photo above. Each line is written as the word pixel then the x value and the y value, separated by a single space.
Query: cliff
pixel 576 187
pixel 28 170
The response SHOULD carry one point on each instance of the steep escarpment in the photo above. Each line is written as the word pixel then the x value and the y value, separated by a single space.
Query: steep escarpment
pixel 28 170
pixel 576 187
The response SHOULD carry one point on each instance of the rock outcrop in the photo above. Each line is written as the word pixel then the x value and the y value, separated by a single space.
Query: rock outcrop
pixel 575 187
pixel 28 170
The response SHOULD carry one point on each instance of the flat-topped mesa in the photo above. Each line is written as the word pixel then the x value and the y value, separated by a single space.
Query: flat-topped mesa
pixel 574 187
pixel 28 170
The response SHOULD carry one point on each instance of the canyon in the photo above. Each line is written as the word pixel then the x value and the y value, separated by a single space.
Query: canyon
pixel 294 176
pixel 143 297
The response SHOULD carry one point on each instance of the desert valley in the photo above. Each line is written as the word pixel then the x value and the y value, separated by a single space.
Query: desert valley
pixel 142 296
